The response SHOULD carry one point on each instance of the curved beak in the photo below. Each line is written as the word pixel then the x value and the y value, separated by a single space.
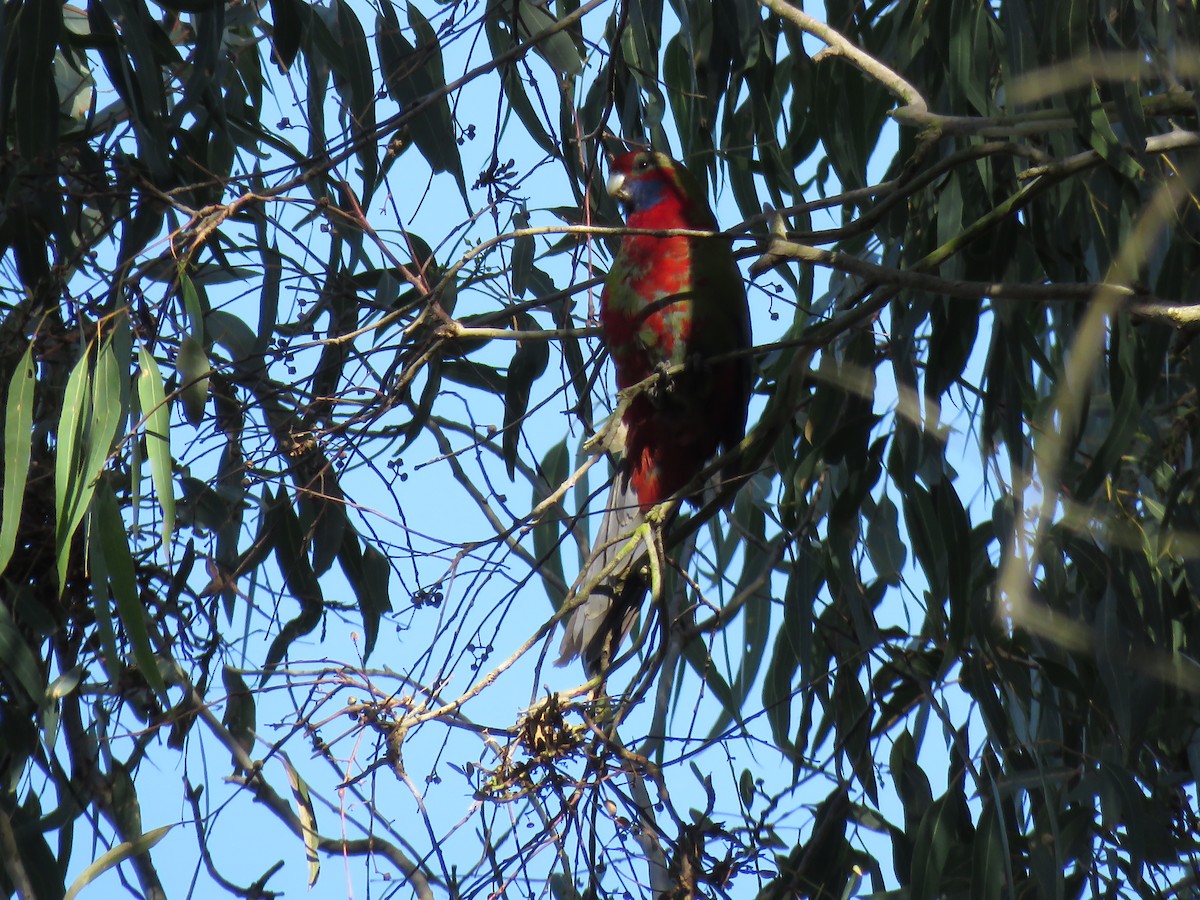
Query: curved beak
pixel 616 187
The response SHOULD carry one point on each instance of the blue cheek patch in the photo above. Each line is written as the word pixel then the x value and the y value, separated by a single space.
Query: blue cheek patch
pixel 645 193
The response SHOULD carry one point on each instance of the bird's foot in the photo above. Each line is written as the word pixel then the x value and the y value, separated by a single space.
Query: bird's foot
pixel 663 386
pixel 659 515
pixel 694 374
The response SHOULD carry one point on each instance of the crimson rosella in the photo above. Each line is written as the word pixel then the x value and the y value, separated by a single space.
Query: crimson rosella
pixel 668 301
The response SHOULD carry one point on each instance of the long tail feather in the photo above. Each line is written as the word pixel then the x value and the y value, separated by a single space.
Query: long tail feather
pixel 598 626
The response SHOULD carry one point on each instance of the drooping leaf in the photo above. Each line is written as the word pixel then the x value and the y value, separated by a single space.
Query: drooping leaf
pixel 298 575
pixel 887 551
pixel 240 715
pixel 522 258
pixel 37 26
pixel 792 652
pixel 18 662
pixel 356 85
pixel 412 74
pixel 193 369
pixel 529 361
pixel 18 445
pixel 989 872
pixel 234 335
pixel 932 846
pixel 156 415
pixel 287 32
pixel 115 856
pixel 548 528
pixel 532 22
pixel 369 574
pixel 92 425
pixel 308 818
pixel 110 541
pixel 68 461
pixel 501 40
pixel 268 305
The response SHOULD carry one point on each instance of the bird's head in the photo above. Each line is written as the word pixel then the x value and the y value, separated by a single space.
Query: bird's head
pixel 642 178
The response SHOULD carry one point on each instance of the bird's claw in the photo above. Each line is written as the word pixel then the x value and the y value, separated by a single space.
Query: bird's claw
pixel 664 385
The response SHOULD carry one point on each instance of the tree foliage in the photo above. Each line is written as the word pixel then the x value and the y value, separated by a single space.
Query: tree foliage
pixel 300 389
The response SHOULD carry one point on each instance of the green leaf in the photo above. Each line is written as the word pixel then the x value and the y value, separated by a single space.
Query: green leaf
pixel 68 463
pixel 501 41
pixel 200 505
pixel 129 59
pixel 969 55
pixel 924 531
pixel 911 782
pixel 640 43
pixel 931 849
pixel 114 857
pixel 424 407
pixel 571 348
pixel 793 643
pixel 760 555
pixel 17 662
pixel 884 546
pixel 156 415
pixel 749 522
pixel 193 369
pixel 989 872
pixel 231 485
pixel 110 655
pixel 1113 659
pixel 302 584
pixel 412 74
pixel 64 684
pixel 369 574
pixel 106 413
pixel 475 375
pixel 286 32
pixel 322 507
pixel 522 255
pixel 852 720
pixel 746 788
pixel 528 363
pixel 233 334
pixel 355 82
pixel 36 107
pixel 18 444
pixel 192 305
pixel 121 341
pixel 532 20
pixel 308 818
pixel 696 656
pixel 848 139
pixel 240 715
pixel 956 538
pixel 1105 141
pixel 166 269
pixel 268 306
pixel 110 542
pixel 80 464
pixel 125 806
pixel 562 887
pixel 547 529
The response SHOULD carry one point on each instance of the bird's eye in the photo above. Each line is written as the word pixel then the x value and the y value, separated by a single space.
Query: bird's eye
pixel 643 164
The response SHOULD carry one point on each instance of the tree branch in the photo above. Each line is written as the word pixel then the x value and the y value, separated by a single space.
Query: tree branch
pixel 839 45
pixel 1137 302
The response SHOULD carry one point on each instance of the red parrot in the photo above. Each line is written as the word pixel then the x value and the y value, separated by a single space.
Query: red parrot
pixel 667 301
